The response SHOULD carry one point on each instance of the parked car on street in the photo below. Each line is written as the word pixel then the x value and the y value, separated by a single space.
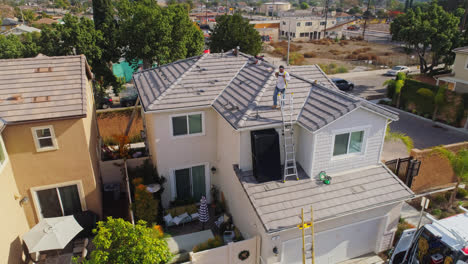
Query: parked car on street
pixel 353 27
pixel 343 84
pixel 395 70
pixel 128 100
pixel 104 102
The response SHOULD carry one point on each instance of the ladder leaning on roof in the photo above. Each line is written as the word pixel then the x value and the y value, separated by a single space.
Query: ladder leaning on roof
pixel 287 112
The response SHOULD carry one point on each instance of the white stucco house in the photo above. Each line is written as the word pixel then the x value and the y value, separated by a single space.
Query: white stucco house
pixel 199 115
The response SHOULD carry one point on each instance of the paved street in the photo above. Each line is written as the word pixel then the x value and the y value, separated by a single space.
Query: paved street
pixel 368 84
pixel 424 133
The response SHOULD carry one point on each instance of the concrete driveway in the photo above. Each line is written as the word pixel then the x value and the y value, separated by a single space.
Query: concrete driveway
pixel 425 133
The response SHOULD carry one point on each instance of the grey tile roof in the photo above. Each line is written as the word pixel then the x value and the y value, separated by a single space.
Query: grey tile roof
pixel 461 50
pixel 43 88
pixel 242 92
pixel 312 73
pixel 278 205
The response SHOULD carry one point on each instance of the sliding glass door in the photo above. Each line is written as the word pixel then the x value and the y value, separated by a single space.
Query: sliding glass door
pixel 190 183
pixel 59 201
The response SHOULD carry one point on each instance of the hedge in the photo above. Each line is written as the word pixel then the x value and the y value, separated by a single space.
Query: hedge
pixel 423 104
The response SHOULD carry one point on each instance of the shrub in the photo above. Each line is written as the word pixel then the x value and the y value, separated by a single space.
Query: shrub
pixel 118 241
pixel 310 54
pixel 436 212
pixel 145 207
pixel 402 225
pixel 425 92
pixel 215 242
pixel 296 58
pixel 461 193
pixel 335 52
pixel 439 199
pixel 341 69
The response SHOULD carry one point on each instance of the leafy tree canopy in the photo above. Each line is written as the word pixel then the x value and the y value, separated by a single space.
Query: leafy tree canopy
pixel 155 34
pixel 304 5
pixel 233 31
pixel 434 31
pixel 118 241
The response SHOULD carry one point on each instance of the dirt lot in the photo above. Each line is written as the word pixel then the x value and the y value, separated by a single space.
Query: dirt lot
pixel 112 123
pixel 345 53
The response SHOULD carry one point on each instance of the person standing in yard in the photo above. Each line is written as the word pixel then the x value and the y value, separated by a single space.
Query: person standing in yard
pixel 281 84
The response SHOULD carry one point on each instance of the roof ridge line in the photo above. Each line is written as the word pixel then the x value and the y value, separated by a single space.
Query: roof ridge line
pixel 164 65
pixel 326 76
pixel 229 83
pixel 255 102
pixel 84 98
pixel 305 101
pixel 174 83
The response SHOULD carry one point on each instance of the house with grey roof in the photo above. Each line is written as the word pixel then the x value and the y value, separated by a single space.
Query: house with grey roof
pixel 209 122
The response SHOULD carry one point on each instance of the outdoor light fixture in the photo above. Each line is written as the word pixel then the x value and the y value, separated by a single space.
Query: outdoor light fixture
pixel 24 200
pixel 213 170
pixel 275 250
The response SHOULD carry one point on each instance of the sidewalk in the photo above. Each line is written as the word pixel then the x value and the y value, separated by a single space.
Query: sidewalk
pixel 411 215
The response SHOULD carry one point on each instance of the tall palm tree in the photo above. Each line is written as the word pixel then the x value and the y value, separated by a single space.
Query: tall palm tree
pixel 398 84
pixel 459 163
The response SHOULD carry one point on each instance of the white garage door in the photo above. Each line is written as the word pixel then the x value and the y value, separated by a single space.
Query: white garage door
pixel 335 245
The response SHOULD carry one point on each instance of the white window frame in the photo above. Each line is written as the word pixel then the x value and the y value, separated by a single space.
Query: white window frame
pixel 2 164
pixel 207 180
pixel 364 129
pixel 37 206
pixel 188 128
pixel 36 139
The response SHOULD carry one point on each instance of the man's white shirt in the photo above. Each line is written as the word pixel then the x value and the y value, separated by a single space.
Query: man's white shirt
pixel 281 83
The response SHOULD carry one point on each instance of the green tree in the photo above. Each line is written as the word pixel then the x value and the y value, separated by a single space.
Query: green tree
pixel 396 84
pixel 439 100
pixel 304 6
pixel 434 31
pixel 10 47
pixel 154 34
pixel 233 31
pixel 459 163
pixel 118 241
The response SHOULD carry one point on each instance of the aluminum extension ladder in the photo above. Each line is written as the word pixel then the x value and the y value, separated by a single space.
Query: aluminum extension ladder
pixel 287 112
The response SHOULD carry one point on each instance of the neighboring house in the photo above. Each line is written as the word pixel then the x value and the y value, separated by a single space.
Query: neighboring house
pixel 199 114
pixel 457 80
pixel 305 28
pixel 342 17
pixel 8 23
pixel 274 8
pixel 20 30
pixel 50 143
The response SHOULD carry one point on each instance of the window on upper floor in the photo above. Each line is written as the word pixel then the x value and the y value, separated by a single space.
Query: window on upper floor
pixel 348 143
pixel 284 22
pixel 308 24
pixel 187 124
pixel 322 23
pixel 298 24
pixel 44 138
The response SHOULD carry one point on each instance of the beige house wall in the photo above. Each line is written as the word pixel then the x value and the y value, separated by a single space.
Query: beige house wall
pixel 277 7
pixel 170 153
pixel 70 162
pixel 13 224
pixel 460 66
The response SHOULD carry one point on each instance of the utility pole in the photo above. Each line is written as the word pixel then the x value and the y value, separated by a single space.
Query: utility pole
pixel 289 41
pixel 462 26
pixel 366 17
pixel 326 19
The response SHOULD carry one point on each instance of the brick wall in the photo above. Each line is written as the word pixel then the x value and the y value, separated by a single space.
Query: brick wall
pixel 435 171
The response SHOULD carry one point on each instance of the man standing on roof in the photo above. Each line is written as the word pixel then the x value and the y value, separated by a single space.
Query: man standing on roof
pixel 281 84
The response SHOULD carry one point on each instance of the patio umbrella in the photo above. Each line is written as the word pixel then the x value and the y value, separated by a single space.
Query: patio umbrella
pixel 203 213
pixel 52 233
